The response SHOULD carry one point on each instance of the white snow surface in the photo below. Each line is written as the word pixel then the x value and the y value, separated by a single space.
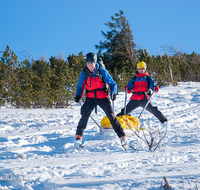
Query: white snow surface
pixel 31 139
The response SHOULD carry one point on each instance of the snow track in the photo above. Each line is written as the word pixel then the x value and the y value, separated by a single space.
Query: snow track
pixel 36 136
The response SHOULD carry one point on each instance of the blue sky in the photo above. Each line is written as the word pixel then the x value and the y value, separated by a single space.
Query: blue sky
pixel 53 27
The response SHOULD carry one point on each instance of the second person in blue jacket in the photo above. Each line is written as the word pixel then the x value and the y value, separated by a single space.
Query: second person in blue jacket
pixel 141 87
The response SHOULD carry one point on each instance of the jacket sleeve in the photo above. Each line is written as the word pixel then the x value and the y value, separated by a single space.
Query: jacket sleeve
pixel 130 84
pixel 109 80
pixel 152 83
pixel 81 83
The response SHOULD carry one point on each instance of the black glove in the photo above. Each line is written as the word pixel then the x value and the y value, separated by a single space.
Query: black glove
pixel 113 96
pixel 77 98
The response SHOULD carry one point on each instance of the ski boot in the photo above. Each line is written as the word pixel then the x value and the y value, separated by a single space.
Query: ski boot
pixel 78 142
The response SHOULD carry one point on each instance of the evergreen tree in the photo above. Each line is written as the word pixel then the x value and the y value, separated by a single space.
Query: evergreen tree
pixel 12 87
pixel 58 66
pixel 25 76
pixel 76 62
pixel 76 65
pixel 119 44
pixel 2 82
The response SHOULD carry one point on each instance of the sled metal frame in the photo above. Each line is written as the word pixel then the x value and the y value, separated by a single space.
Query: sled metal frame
pixel 150 144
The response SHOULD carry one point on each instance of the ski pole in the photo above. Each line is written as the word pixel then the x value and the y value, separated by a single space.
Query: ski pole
pixel 113 102
pixel 125 101
pixel 146 105
pixel 97 124
pixel 113 106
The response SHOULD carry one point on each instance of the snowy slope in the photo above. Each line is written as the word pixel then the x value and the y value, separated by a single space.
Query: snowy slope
pixel 31 157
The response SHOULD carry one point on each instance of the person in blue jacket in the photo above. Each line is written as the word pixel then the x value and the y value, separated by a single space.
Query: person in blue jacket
pixel 141 87
pixel 93 79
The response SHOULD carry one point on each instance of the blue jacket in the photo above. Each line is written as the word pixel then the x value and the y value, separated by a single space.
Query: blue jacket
pixel 93 82
pixel 140 85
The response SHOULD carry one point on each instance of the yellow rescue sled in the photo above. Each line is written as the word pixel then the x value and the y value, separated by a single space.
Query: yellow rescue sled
pixel 126 122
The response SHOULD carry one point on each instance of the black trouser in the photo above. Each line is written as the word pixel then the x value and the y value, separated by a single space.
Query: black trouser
pixel 133 104
pixel 105 104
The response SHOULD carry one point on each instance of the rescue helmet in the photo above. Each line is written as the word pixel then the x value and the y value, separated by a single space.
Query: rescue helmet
pixel 91 58
pixel 141 64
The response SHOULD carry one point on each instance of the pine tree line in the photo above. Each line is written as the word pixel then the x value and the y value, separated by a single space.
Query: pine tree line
pixel 50 84
pixel 47 84
pixel 38 83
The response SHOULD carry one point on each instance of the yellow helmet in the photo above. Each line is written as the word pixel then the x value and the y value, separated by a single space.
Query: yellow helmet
pixel 141 64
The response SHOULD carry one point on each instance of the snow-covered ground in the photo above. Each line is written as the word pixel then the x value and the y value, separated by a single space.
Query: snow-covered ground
pixel 31 157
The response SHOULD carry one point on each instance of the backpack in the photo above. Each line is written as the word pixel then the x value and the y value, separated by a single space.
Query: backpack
pixel 101 64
